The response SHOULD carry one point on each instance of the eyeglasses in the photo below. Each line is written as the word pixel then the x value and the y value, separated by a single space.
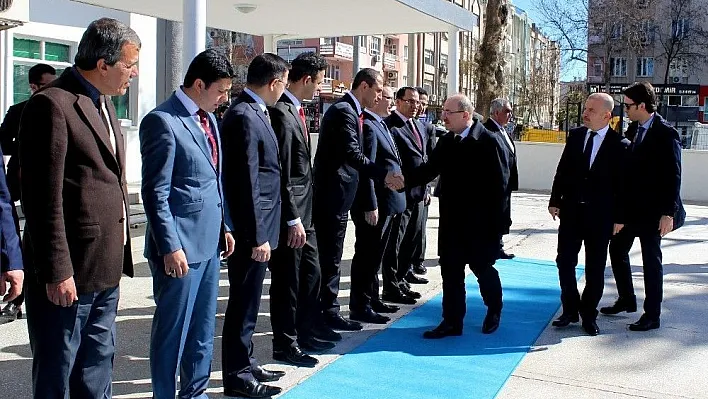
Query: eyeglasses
pixel 627 106
pixel 128 66
pixel 411 101
pixel 447 111
pixel 389 98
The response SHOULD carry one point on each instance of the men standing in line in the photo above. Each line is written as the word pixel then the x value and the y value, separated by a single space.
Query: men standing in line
pixel 470 225
pixel 499 116
pixel 251 176
pixel 377 217
pixel 652 202
pixel 338 163
pixel 294 266
pixel 74 196
pixel 586 196
pixel 181 189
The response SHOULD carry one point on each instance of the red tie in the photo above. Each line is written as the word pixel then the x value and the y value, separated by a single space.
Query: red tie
pixel 361 122
pixel 416 134
pixel 210 136
pixel 301 111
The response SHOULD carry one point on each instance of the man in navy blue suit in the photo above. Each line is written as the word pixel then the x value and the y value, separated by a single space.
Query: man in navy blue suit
pixel 653 206
pixel 181 188
pixel 10 253
pixel 252 188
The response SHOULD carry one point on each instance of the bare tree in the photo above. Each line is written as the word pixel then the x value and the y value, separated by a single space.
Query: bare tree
pixel 490 57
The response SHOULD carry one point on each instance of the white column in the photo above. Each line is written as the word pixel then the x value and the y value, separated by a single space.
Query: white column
pixel 412 60
pixel 270 44
pixel 453 61
pixel 194 14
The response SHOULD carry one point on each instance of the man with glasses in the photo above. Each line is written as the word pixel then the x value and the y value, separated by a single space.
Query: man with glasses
pixel 652 201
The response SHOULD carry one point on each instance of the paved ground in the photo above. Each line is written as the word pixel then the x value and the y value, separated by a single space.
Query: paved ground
pixel 665 363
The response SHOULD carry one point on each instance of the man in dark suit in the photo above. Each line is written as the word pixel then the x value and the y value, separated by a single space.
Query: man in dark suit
pixel 10 252
pixel 377 217
pixel 652 202
pixel 181 188
pixel 499 116
pixel 75 200
pixel 295 267
pixel 411 139
pixel 252 187
pixel 470 225
pixel 338 163
pixel 586 196
pixel 39 75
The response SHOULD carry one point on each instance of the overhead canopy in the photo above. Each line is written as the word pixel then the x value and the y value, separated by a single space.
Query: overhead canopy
pixel 313 18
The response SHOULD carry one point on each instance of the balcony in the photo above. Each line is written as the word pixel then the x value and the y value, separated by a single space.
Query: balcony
pixel 389 61
pixel 338 50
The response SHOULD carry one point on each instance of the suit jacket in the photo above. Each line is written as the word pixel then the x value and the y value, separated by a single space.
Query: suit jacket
pixel 600 188
pixel 180 186
pixel 653 175
pixel 412 155
pixel 471 221
pixel 510 165
pixel 379 147
pixel 74 192
pixel 10 128
pixel 10 252
pixel 295 161
pixel 339 159
pixel 251 173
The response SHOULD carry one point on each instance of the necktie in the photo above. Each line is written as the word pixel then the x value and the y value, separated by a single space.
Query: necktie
pixel 588 149
pixel 301 112
pixel 458 138
pixel 204 121
pixel 640 136
pixel 267 116
pixel 390 136
pixel 361 122
pixel 416 134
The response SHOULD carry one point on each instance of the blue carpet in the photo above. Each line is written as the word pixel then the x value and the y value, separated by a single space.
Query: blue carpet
pixel 399 363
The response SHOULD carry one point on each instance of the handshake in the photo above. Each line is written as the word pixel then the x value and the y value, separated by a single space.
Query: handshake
pixel 394 181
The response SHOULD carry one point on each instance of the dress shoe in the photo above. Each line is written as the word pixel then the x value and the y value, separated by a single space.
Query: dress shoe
pixel 645 323
pixel 565 319
pixel 413 279
pixel 491 322
pixel 380 307
pixel 398 297
pixel 264 375
pixel 324 333
pixel 313 345
pixel 337 322
pixel 420 269
pixel 409 292
pixel 504 255
pixel 252 389
pixel 443 330
pixel 591 327
pixel 11 312
pixel 628 305
pixel 295 356
pixel 369 316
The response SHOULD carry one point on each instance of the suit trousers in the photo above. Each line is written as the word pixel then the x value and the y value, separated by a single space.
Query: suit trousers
pixel 72 347
pixel 419 250
pixel 331 230
pixel 182 340
pixel 245 289
pixel 294 290
pixel 453 275
pixel 374 247
pixel 411 238
pixel 650 239
pixel 577 227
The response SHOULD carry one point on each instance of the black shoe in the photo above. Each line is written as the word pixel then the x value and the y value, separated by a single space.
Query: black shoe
pixel 409 292
pixel 398 297
pixel 293 355
pixel 11 312
pixel 413 279
pixel 380 307
pixel 313 345
pixel 645 323
pixel 491 322
pixel 420 269
pixel 252 389
pixel 443 330
pixel 264 375
pixel 504 255
pixel 565 319
pixel 324 333
pixel 337 322
pixel 628 305
pixel 591 327
pixel 369 316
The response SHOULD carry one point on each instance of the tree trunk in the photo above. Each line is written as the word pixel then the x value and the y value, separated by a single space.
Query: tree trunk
pixel 490 57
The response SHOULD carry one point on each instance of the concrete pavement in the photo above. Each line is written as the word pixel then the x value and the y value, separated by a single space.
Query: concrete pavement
pixel 664 363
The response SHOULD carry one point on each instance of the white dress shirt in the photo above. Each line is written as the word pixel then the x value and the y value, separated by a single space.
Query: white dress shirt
pixel 596 142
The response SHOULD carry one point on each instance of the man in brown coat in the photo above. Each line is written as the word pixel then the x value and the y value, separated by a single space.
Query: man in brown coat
pixel 74 197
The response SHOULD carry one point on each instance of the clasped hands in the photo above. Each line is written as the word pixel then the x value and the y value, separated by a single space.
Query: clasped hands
pixel 394 181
